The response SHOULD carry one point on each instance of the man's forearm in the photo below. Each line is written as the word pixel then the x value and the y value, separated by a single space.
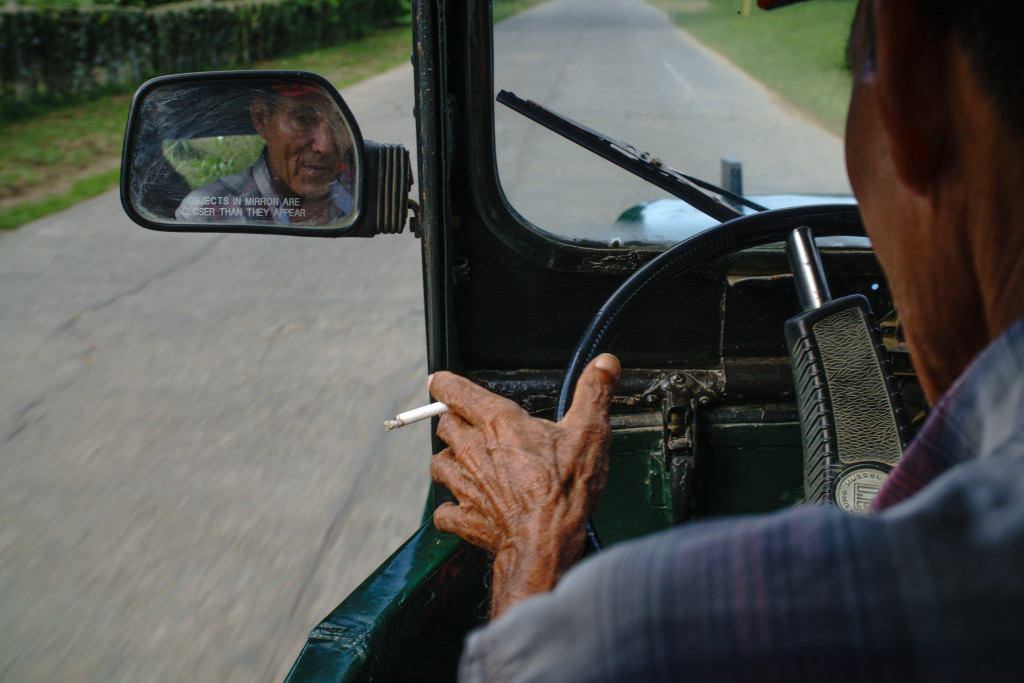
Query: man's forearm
pixel 533 565
pixel 517 577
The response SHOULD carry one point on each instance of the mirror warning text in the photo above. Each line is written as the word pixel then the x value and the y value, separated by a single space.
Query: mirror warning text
pixel 239 207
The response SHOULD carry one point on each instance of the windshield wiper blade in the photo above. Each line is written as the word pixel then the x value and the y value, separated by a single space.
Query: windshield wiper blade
pixel 642 164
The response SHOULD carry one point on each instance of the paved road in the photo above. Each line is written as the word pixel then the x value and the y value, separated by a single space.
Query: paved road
pixel 192 468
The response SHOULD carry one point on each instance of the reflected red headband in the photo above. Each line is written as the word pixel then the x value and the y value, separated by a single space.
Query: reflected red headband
pixel 296 89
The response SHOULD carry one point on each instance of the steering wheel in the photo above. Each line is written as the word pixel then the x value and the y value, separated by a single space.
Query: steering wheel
pixel 738 234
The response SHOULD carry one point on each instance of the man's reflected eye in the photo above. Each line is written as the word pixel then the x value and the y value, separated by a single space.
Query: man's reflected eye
pixel 304 121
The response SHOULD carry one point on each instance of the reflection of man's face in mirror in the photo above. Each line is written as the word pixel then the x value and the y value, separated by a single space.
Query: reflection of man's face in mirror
pixel 306 140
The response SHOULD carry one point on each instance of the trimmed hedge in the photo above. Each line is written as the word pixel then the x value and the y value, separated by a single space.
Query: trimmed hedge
pixel 52 54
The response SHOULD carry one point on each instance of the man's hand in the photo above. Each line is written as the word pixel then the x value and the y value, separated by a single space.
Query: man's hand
pixel 526 487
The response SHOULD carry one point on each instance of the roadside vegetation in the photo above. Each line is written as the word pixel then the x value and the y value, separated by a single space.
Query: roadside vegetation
pixel 503 9
pixel 59 156
pixel 799 51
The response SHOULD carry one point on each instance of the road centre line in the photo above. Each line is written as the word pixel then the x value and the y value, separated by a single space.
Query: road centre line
pixel 676 75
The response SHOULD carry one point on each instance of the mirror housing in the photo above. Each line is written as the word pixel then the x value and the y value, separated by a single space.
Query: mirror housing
pixel 261 152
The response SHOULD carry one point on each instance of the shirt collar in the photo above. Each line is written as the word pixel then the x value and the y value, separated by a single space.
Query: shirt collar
pixel 976 418
pixel 261 174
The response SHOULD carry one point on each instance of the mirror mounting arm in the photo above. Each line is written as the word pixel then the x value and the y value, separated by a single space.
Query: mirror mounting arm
pixel 389 181
pixel 414 223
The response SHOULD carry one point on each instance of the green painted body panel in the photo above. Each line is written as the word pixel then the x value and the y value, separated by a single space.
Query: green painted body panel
pixel 742 469
pixel 638 498
pixel 407 621
pixel 751 469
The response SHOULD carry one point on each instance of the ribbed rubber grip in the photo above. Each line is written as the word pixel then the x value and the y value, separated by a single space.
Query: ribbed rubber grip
pixel 852 421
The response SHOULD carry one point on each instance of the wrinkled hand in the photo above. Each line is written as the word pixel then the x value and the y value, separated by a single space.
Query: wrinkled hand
pixel 525 486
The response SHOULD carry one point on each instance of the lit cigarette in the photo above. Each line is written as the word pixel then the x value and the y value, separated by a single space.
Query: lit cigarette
pixel 415 415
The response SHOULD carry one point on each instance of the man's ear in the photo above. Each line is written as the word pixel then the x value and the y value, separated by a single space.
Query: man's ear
pixel 260 113
pixel 912 76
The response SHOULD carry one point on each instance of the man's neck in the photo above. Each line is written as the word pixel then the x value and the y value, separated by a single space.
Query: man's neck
pixel 968 279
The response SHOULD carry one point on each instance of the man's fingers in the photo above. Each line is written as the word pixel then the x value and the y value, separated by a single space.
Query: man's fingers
pixel 595 389
pixel 445 471
pixel 452 428
pixel 463 522
pixel 446 518
pixel 474 403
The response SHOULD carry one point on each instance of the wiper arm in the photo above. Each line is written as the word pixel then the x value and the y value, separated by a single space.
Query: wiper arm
pixel 691 190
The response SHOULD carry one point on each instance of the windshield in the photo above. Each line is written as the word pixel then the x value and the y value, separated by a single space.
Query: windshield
pixel 633 71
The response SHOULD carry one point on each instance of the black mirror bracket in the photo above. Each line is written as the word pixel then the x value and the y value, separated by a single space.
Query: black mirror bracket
pixel 389 181
pixel 414 223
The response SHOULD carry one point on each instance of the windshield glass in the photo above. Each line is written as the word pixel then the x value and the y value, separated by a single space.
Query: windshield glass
pixel 636 72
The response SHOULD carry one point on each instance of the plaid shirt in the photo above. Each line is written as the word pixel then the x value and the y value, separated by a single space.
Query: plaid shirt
pixel 249 197
pixel 929 587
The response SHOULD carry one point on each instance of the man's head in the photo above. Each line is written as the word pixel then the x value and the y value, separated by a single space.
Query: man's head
pixel 934 153
pixel 306 139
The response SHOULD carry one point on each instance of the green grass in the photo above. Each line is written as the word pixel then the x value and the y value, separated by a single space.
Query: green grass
pixel 81 190
pixel 62 156
pixel 798 50
pixel 52 156
pixel 355 61
pixel 503 9
pixel 55 145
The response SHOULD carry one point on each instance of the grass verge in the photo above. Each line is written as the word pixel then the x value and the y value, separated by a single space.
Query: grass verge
pixel 81 190
pixel 503 9
pixel 62 156
pixel 799 50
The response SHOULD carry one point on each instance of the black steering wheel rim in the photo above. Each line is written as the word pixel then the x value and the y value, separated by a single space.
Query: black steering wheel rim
pixel 738 234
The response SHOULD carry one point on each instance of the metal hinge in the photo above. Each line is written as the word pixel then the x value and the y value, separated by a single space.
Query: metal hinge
pixel 682 395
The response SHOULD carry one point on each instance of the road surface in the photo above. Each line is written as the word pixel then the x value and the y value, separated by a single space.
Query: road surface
pixel 193 470
pixel 193 467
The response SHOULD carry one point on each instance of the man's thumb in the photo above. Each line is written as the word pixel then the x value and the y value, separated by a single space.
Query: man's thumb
pixel 595 388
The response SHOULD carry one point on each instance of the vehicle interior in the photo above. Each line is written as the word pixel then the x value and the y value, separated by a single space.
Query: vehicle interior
pixel 706 421
pixel 755 328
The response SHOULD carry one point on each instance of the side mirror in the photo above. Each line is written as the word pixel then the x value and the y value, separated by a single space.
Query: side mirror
pixel 263 152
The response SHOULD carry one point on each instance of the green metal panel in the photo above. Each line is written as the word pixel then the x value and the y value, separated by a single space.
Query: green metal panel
pixel 638 497
pixel 407 621
pixel 742 469
pixel 750 468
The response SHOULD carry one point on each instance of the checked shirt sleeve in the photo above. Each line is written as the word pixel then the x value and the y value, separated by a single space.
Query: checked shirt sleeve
pixel 927 593
pixel 772 598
